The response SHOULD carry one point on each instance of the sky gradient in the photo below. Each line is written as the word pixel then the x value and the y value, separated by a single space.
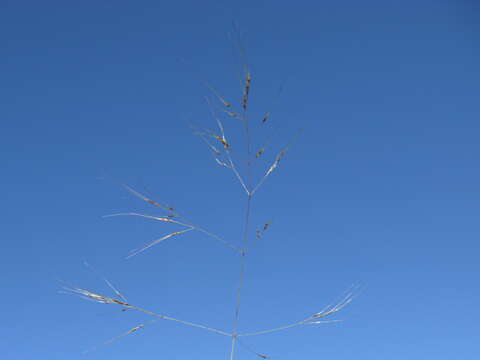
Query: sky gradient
pixel 380 189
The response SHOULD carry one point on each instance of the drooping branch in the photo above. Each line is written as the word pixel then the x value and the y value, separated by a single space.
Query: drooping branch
pixel 315 318
pixel 86 294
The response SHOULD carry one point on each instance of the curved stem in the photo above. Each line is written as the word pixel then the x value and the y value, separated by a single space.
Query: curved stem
pixel 274 329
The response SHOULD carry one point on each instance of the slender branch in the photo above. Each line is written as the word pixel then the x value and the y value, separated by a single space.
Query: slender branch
pixel 303 322
pixel 187 224
pixel 155 242
pixel 270 170
pixel 108 300
pixel 217 238
pixel 274 329
pixel 189 323
pixel 158 218
pixel 109 284
pixel 277 160
pixel 249 150
pixel 315 318
pixel 227 151
pixel 260 183
pixel 195 325
pixel 167 208
pixel 237 174
pixel 126 333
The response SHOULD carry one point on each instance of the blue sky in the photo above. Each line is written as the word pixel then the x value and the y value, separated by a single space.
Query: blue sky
pixel 380 189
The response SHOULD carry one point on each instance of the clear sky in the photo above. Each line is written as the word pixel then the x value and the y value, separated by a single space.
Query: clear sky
pixel 381 188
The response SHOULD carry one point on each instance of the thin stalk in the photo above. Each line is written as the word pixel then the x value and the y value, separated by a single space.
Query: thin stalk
pixel 247 220
pixel 309 321
pixel 241 279
pixel 274 329
pixel 216 237
pixel 165 317
pixel 237 174
pixel 212 235
pixel 249 157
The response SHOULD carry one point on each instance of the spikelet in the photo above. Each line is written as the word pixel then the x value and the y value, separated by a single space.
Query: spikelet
pixel 222 140
pixel 267 114
pixel 218 96
pixel 214 150
pixel 266 117
pixel 259 152
pixel 260 232
pixel 155 242
pixel 246 90
pixel 95 297
pixel 150 201
pixel 232 114
pixel 109 284
pixel 276 162
pixel 131 331
pixel 332 309
pixel 211 134
pixel 159 218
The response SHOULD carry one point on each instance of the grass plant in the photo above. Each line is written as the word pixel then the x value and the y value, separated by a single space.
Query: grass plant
pixel 221 148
